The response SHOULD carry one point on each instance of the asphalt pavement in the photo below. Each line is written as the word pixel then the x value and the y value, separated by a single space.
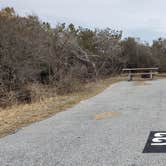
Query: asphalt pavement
pixel 127 112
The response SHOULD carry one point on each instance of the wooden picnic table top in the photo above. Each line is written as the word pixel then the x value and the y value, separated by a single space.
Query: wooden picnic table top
pixel 137 69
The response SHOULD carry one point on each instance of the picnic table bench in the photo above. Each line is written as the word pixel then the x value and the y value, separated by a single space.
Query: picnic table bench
pixel 143 72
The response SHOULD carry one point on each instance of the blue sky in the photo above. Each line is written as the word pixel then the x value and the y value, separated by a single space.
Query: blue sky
pixel 138 18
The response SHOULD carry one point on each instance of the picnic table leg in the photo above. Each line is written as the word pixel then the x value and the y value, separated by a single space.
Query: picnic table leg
pixel 151 75
pixel 129 76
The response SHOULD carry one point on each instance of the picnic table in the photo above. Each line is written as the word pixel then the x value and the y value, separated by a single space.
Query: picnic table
pixel 143 72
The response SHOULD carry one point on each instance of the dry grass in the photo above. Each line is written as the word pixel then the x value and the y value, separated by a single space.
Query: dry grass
pixel 161 75
pixel 15 117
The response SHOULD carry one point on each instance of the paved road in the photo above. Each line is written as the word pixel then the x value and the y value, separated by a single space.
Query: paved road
pixel 76 138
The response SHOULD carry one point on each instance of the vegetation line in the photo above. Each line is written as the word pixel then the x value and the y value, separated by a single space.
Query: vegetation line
pixel 63 57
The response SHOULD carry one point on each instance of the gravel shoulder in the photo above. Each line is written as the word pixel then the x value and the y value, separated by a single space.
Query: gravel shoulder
pixel 126 113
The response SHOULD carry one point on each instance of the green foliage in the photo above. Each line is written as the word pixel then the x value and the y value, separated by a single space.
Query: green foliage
pixel 86 39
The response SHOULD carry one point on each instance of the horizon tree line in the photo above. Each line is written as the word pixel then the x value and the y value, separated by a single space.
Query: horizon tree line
pixel 31 51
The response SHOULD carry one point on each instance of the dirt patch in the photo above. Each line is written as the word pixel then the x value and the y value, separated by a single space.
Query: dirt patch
pixel 105 115
pixel 141 83
pixel 161 75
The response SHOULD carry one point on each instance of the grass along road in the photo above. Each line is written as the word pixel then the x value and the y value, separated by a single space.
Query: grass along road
pixel 17 116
